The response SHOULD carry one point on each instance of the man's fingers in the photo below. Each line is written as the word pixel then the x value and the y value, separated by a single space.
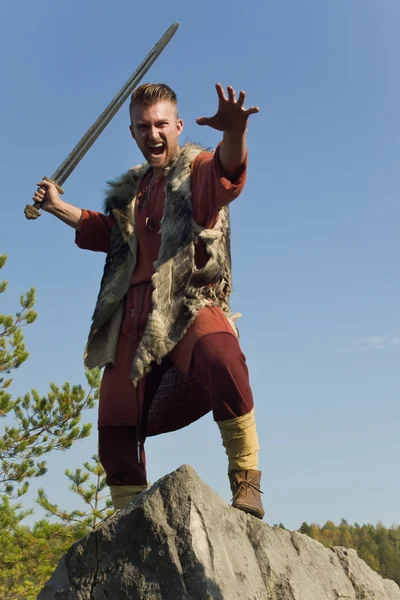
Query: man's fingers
pixel 41 192
pixel 39 195
pixel 44 184
pixel 202 121
pixel 231 93
pixel 252 111
pixel 220 91
pixel 241 99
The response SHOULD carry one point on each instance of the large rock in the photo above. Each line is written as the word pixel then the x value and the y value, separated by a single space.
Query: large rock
pixel 180 541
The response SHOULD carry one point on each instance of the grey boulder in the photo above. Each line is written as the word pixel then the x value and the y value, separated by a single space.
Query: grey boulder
pixel 181 541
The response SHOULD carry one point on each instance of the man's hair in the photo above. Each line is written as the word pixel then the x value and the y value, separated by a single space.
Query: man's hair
pixel 149 94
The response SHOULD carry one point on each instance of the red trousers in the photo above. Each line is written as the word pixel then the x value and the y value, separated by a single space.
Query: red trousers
pixel 221 367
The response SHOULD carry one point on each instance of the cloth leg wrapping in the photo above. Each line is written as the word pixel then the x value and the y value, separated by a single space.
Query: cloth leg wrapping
pixel 240 440
pixel 122 495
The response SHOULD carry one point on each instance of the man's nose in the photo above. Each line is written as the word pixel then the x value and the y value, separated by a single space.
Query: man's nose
pixel 154 135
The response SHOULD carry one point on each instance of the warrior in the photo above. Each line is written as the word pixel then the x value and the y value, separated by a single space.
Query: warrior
pixel 162 327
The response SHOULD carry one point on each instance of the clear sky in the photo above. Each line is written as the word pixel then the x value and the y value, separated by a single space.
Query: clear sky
pixel 315 233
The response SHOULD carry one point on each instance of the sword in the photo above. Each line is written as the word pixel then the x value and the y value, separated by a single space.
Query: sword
pixel 75 156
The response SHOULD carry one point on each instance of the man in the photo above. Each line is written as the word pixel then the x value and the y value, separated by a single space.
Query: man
pixel 162 326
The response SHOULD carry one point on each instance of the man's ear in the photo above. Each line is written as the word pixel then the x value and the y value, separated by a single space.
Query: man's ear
pixel 132 131
pixel 180 126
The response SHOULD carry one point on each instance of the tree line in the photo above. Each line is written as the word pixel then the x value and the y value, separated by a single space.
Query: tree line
pixel 378 545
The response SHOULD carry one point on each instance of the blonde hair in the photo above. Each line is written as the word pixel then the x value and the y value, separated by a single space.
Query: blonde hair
pixel 149 94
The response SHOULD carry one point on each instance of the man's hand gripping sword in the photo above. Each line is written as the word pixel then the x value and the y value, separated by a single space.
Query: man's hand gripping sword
pixel 68 165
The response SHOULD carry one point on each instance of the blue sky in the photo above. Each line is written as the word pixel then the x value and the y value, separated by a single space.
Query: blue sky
pixel 315 233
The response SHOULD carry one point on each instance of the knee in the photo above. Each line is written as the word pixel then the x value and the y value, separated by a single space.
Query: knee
pixel 219 352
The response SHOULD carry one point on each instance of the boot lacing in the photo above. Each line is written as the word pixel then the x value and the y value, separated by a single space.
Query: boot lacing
pixel 245 483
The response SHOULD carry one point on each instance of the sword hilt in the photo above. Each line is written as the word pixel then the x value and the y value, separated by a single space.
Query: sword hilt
pixel 32 211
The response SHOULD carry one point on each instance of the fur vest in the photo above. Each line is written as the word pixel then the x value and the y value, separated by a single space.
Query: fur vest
pixel 180 289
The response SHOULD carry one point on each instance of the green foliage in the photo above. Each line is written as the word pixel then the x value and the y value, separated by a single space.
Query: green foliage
pixel 305 528
pixel 33 426
pixel 39 424
pixel 28 556
pixel 13 352
pixel 89 484
pixel 280 525
pixel 42 424
pixel 377 545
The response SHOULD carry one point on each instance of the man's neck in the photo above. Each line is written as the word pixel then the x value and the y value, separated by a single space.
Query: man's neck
pixel 159 173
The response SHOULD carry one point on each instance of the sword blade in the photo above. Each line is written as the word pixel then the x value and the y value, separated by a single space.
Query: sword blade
pixel 84 144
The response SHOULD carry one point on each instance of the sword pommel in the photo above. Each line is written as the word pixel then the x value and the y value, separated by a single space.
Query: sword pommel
pixel 31 211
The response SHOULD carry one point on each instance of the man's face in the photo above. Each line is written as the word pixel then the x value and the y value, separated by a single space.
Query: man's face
pixel 156 130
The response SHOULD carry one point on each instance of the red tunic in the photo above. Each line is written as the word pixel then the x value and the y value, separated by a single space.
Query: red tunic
pixel 120 401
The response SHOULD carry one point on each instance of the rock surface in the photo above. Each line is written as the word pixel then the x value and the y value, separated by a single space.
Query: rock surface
pixel 180 541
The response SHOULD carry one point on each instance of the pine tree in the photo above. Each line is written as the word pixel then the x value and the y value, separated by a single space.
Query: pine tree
pixel 89 484
pixel 33 426
pixel 37 424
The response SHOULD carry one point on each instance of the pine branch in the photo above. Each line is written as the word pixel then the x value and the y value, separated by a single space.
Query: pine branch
pixel 90 494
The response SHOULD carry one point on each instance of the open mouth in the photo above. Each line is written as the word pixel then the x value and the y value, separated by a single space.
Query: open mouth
pixel 156 149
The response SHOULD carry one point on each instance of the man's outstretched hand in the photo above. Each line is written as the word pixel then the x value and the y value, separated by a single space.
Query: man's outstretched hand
pixel 231 116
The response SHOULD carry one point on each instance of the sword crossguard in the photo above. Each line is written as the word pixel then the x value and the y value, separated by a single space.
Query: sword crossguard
pixel 59 188
pixel 32 211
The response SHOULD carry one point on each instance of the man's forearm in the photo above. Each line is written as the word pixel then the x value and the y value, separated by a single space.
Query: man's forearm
pixel 67 213
pixel 232 152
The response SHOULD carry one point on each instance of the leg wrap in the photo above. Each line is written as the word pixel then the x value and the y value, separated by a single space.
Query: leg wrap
pixel 122 495
pixel 240 440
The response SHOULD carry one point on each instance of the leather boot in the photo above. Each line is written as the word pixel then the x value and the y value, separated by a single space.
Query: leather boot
pixel 246 492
